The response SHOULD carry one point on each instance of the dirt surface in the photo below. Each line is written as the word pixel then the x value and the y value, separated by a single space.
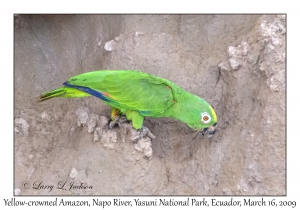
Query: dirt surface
pixel 235 62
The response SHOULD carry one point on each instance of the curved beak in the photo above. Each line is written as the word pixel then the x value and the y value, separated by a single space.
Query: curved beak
pixel 210 130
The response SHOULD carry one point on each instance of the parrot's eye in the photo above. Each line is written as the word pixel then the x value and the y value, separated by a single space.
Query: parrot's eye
pixel 205 118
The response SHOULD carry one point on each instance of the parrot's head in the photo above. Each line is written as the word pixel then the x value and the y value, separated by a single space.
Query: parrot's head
pixel 208 120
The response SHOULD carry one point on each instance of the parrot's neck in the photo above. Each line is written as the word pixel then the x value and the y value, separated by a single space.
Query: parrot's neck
pixel 186 109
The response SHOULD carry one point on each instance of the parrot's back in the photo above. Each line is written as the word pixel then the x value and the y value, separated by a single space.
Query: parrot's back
pixel 127 90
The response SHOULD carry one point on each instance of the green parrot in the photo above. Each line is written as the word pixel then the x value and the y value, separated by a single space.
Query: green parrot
pixel 137 95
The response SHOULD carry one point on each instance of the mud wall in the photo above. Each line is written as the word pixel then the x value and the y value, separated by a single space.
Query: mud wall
pixel 235 62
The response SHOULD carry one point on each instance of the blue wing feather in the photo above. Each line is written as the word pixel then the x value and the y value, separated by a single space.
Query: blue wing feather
pixel 92 92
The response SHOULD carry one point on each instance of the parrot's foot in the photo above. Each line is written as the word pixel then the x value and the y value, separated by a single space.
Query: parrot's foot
pixel 117 120
pixel 144 131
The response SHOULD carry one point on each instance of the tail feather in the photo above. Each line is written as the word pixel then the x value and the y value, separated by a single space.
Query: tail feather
pixel 63 92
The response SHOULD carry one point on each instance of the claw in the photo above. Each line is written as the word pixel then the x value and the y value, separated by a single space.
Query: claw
pixel 144 131
pixel 117 120
pixel 122 119
pixel 112 123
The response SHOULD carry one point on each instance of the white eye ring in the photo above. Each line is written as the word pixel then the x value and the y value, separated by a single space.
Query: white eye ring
pixel 205 118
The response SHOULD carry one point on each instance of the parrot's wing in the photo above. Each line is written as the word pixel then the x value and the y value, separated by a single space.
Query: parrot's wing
pixel 125 89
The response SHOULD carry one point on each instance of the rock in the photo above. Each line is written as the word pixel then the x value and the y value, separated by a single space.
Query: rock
pixel 109 139
pixel 103 121
pixel 97 134
pixel 274 88
pixel 73 173
pixel 224 66
pixel 144 145
pixel 92 123
pixel 235 63
pixel 110 45
pixel 238 54
pixel 139 33
pixel 23 126
pixel 83 114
